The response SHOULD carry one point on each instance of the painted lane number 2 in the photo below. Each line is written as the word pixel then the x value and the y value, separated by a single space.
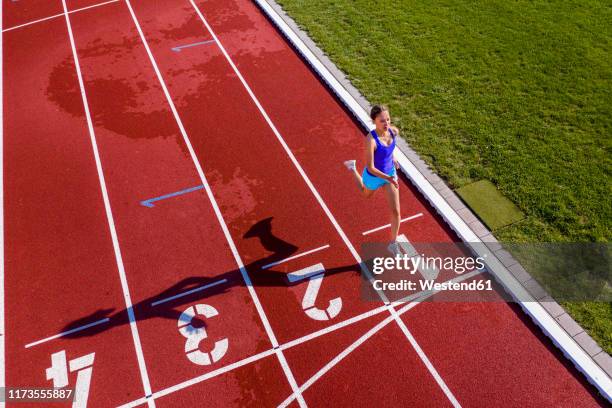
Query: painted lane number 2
pixel 315 274
pixel 195 335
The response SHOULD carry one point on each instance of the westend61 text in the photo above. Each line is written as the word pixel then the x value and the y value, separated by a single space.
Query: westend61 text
pixel 428 285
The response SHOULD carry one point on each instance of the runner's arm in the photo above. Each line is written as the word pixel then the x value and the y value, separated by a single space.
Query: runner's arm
pixel 395 163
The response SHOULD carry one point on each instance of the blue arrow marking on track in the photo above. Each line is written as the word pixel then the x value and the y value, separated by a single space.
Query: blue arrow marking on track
pixel 150 201
pixel 178 49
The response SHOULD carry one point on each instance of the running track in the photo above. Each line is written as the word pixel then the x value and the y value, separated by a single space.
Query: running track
pixel 101 112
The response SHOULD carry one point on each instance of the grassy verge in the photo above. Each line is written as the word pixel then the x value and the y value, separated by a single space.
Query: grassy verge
pixel 517 93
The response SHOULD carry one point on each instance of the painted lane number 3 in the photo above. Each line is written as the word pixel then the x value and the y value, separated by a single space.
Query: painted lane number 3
pixel 195 335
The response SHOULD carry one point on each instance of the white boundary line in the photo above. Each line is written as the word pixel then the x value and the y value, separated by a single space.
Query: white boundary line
pixel 109 215
pixel 295 256
pixel 67 332
pixel 2 323
pixel 189 292
pixel 213 201
pixel 534 309
pixel 412 217
pixel 331 217
pixel 58 15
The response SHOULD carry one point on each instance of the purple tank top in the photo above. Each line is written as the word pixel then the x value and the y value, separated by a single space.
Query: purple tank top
pixel 383 155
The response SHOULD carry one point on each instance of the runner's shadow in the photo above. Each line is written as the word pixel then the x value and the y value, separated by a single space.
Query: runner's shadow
pixel 159 305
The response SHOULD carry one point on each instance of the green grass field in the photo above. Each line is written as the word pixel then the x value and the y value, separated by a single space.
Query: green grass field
pixel 515 92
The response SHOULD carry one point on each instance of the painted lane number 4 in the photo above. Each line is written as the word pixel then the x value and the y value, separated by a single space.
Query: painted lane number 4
pixel 195 335
pixel 58 372
pixel 315 274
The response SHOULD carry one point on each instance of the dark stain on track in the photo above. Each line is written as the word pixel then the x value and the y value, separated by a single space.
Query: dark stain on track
pixel 226 19
pixel 192 25
pixel 63 89
pixel 124 116
pixel 130 114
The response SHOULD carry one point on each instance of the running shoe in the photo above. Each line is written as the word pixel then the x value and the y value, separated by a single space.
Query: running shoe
pixel 350 164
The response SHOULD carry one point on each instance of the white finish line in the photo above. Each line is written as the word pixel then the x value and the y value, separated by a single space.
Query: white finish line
pixel 415 299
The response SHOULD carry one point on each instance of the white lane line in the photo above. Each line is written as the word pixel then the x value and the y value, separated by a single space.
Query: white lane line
pixel 331 217
pixel 189 292
pixel 2 323
pixel 203 377
pixel 109 215
pixel 213 201
pixel 295 257
pixel 412 217
pixel 67 332
pixel 376 329
pixel 58 15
